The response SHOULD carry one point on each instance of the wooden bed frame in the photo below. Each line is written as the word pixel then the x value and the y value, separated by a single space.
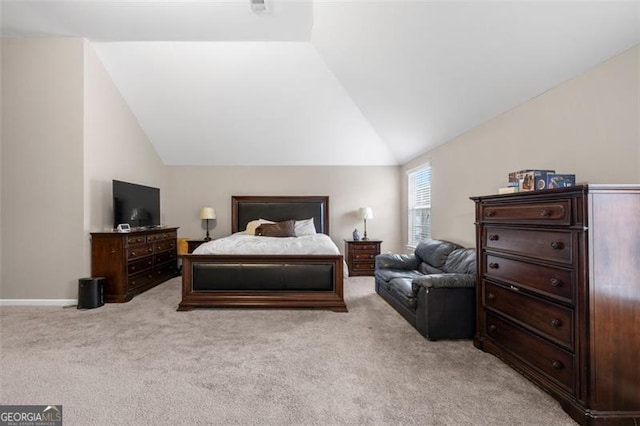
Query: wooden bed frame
pixel 202 274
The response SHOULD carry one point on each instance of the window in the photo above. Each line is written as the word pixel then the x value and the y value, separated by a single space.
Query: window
pixel 419 207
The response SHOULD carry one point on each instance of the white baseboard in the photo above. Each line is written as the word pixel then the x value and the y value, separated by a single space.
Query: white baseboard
pixel 38 302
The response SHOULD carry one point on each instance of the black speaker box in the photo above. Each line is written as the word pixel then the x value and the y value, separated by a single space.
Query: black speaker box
pixel 90 292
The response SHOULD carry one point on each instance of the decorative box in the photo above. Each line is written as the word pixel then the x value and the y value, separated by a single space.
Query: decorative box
pixel 557 180
pixel 531 179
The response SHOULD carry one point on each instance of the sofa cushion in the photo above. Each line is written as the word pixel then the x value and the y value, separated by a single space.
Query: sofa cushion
pixel 449 280
pixel 389 274
pixel 427 269
pixel 397 261
pixel 461 261
pixel 435 252
pixel 402 290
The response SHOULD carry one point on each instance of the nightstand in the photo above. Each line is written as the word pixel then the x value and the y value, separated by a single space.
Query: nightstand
pixel 193 244
pixel 361 256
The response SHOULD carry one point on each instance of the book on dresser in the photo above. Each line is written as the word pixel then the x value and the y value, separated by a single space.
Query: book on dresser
pixel 133 262
pixel 558 294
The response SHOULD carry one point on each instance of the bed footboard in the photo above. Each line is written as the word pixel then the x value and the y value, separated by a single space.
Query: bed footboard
pixel 262 281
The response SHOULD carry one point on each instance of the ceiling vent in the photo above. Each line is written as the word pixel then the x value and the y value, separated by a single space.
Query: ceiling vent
pixel 258 6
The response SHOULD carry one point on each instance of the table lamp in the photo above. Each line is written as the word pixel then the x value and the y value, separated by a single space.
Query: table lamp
pixel 207 213
pixel 365 213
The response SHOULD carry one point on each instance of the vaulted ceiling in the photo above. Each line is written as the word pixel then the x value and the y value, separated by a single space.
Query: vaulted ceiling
pixel 328 82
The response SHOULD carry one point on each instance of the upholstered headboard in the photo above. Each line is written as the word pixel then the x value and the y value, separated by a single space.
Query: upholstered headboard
pixel 278 208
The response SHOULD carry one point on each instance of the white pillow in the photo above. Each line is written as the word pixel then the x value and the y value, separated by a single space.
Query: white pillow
pixel 251 226
pixel 305 227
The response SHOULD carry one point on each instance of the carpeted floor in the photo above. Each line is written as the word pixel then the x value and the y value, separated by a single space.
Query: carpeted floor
pixel 143 363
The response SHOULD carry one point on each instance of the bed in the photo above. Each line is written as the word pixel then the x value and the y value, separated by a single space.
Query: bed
pixel 267 280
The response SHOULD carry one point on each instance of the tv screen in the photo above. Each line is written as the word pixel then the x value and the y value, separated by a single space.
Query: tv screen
pixel 137 205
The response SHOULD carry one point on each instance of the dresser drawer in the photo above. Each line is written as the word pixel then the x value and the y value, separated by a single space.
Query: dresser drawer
pixel 365 247
pixel 162 236
pixel 138 266
pixel 554 362
pixel 165 270
pixel 556 212
pixel 139 280
pixel 543 244
pixel 139 251
pixel 553 321
pixel 547 280
pixel 165 245
pixel 363 266
pixel 136 239
pixel 165 257
pixel 364 255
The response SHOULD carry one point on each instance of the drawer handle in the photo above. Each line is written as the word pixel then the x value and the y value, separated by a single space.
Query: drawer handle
pixel 490 213
pixel 557 364
pixel 113 251
pixel 545 213
pixel 555 282
pixel 494 265
pixel 557 245
pixel 133 268
pixel 555 322
pixel 150 250
pixel 491 296
pixel 494 237
pixel 133 253
pixel 492 328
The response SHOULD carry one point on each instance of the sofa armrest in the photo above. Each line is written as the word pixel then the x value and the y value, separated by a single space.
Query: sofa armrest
pixel 397 261
pixel 444 281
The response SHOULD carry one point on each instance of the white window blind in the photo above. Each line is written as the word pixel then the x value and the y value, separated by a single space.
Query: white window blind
pixel 419 207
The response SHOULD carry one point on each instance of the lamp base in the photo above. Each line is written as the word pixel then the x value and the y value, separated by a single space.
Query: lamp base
pixel 207 239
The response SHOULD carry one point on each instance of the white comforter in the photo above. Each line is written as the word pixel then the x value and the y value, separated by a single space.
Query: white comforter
pixel 241 243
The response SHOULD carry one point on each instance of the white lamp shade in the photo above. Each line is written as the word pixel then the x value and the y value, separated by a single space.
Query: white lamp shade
pixel 365 213
pixel 207 213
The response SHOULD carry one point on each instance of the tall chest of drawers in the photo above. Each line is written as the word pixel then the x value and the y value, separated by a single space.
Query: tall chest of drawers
pixel 133 262
pixel 558 294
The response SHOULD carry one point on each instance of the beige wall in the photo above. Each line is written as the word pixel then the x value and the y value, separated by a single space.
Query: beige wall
pixel 42 184
pixel 115 145
pixel 66 134
pixel 588 126
pixel 190 188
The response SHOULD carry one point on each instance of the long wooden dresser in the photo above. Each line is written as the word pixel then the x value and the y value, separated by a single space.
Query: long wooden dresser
pixel 558 294
pixel 133 262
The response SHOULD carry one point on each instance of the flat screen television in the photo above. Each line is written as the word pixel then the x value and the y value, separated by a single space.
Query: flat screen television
pixel 137 205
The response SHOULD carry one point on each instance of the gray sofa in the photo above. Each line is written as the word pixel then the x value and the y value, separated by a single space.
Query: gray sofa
pixel 433 289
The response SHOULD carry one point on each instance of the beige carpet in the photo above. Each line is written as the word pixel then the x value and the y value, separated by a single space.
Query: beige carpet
pixel 143 363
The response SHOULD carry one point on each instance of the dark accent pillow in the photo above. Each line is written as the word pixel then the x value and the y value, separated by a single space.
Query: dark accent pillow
pixel 278 229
